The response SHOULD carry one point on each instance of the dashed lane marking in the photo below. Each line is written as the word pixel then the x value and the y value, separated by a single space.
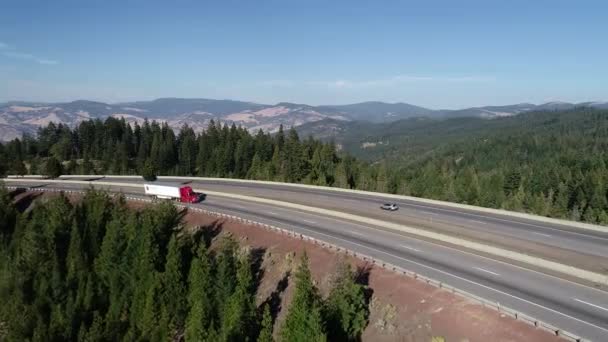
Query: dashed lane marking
pixel 484 270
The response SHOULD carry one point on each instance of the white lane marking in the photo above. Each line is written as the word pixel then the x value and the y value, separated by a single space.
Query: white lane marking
pixel 484 270
pixel 501 219
pixel 410 248
pixel 597 306
pixel 309 221
pixel 272 213
pixel 356 233
pixel 238 206
pixel 484 217
pixel 477 221
pixel 456 250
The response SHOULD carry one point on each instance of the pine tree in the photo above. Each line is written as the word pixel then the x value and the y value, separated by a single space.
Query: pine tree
pixel 200 303
pixel 113 269
pixel 75 262
pixel 280 138
pixel 238 317
pixel 148 172
pixel 87 167
pixel 96 331
pixel 18 168
pixel 346 308
pixel 512 182
pixel 304 322
pixel 294 169
pixel 276 166
pixel 8 216
pixel 266 330
pixel 187 151
pixel 341 176
pixel 225 274
pixel 173 284
pixel 145 252
pixel 53 168
pixel 382 179
pixel 154 319
pixel 255 170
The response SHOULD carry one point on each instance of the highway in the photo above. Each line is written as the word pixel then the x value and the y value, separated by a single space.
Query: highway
pixel 528 236
pixel 577 308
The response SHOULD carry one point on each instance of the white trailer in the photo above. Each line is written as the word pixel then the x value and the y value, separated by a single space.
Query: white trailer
pixel 162 191
pixel 181 193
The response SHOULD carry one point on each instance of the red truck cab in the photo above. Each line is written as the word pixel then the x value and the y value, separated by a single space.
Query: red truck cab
pixel 187 195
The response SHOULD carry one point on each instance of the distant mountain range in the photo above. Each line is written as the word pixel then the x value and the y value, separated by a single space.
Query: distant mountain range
pixel 17 118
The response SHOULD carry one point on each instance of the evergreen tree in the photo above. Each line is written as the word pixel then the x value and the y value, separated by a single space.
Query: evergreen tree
pixel 18 168
pixel 148 172
pixel 304 322
pixel 200 301
pixel 173 284
pixel 87 167
pixel 237 319
pixel 53 168
pixel 8 216
pixel 346 308
pixel 266 330
pixel 225 274
pixel 512 182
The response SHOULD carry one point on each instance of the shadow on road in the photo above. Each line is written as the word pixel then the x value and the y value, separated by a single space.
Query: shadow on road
pixel 91 179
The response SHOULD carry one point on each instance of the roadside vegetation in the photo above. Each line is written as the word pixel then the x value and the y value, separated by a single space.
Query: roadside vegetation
pixel 99 271
pixel 547 163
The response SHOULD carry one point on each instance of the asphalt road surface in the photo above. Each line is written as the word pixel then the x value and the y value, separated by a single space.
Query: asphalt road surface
pixel 548 234
pixel 576 308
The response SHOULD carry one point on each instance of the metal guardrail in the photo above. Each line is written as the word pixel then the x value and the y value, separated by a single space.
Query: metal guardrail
pixel 374 261
pixel 528 216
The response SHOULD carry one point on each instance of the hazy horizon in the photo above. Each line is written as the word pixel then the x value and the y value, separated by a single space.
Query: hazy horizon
pixel 438 54
pixel 276 103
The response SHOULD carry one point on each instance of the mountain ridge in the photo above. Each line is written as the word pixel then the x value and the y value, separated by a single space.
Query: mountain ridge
pixel 18 117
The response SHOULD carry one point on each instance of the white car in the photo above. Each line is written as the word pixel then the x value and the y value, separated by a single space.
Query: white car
pixel 389 206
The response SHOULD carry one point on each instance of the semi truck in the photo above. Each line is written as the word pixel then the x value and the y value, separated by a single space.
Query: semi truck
pixel 166 191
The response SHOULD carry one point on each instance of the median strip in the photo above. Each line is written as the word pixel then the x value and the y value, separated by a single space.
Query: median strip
pixel 500 252
pixel 532 217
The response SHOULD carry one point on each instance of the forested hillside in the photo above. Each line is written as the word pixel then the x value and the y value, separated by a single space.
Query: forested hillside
pixel 99 271
pixel 548 163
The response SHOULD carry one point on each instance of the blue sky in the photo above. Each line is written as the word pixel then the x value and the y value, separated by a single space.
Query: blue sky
pixel 439 54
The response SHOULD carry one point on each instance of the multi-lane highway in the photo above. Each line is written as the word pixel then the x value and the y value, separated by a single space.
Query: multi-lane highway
pixel 581 248
pixel 577 308
pixel 367 205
